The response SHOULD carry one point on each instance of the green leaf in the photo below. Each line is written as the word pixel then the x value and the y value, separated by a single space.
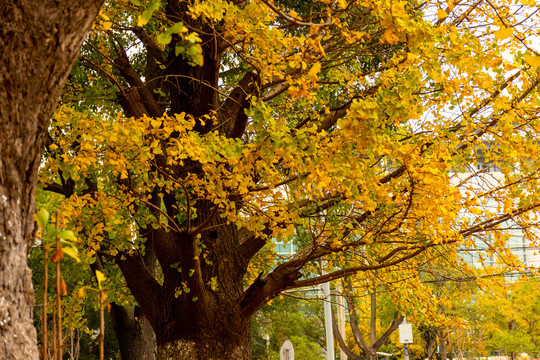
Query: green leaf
pixel 193 38
pixel 179 49
pixel 194 50
pixel 72 252
pixel 67 235
pixel 177 28
pixel 51 230
pixel 43 218
pixel 164 38
pixel 147 14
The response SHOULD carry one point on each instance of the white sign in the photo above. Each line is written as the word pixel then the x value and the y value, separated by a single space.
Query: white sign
pixel 287 351
pixel 405 334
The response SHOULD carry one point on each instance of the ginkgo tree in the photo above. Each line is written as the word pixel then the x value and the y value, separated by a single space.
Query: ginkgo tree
pixel 199 132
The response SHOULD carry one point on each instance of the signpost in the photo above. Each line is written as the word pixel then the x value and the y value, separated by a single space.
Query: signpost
pixel 405 336
pixel 286 352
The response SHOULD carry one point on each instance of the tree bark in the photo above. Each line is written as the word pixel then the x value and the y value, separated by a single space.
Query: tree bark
pixel 210 344
pixel 430 348
pixel 442 343
pixel 135 336
pixel 39 42
pixel 373 324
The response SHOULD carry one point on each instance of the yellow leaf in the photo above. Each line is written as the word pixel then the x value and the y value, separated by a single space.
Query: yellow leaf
pixel 107 25
pixel 509 67
pixel 441 14
pixel 504 33
pixel 294 15
pixel 532 60
pixel 104 16
pixel 141 21
pixel 411 57
pixel 389 37
pixel 312 73
pixel 73 252
pixel 342 4
pixel 100 277
pixel 81 293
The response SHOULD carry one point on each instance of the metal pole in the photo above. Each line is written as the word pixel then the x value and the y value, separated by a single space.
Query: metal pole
pixel 406 351
pixel 405 346
pixel 341 320
pixel 328 322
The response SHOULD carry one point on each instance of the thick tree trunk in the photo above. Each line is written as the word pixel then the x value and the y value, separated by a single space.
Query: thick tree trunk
pixel 17 333
pixel 39 42
pixel 134 333
pixel 209 344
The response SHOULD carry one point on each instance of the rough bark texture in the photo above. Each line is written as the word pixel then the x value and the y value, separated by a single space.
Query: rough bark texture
pixel 39 42
pixel 135 336
pixel 210 344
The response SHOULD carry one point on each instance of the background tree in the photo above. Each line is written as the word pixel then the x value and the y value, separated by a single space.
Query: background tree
pixel 80 309
pixel 375 340
pixel 39 43
pixel 508 317
pixel 346 125
pixel 298 319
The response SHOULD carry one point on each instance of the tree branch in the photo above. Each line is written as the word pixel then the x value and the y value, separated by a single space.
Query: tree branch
pixel 231 114
pixel 142 284
pixel 293 20
pixel 357 334
pixel 341 342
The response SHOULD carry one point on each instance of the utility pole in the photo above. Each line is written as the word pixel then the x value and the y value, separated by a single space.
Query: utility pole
pixel 328 316
pixel 405 337
pixel 328 322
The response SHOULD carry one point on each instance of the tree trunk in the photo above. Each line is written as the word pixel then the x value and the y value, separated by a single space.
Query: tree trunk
pixel 39 42
pixel 136 338
pixel 373 325
pixel 430 348
pixel 442 343
pixel 209 344
pixel 134 333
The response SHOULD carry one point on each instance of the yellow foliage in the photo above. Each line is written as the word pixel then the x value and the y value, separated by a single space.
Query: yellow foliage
pixel 532 60
pixel 441 14
pixel 359 132
pixel 503 33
